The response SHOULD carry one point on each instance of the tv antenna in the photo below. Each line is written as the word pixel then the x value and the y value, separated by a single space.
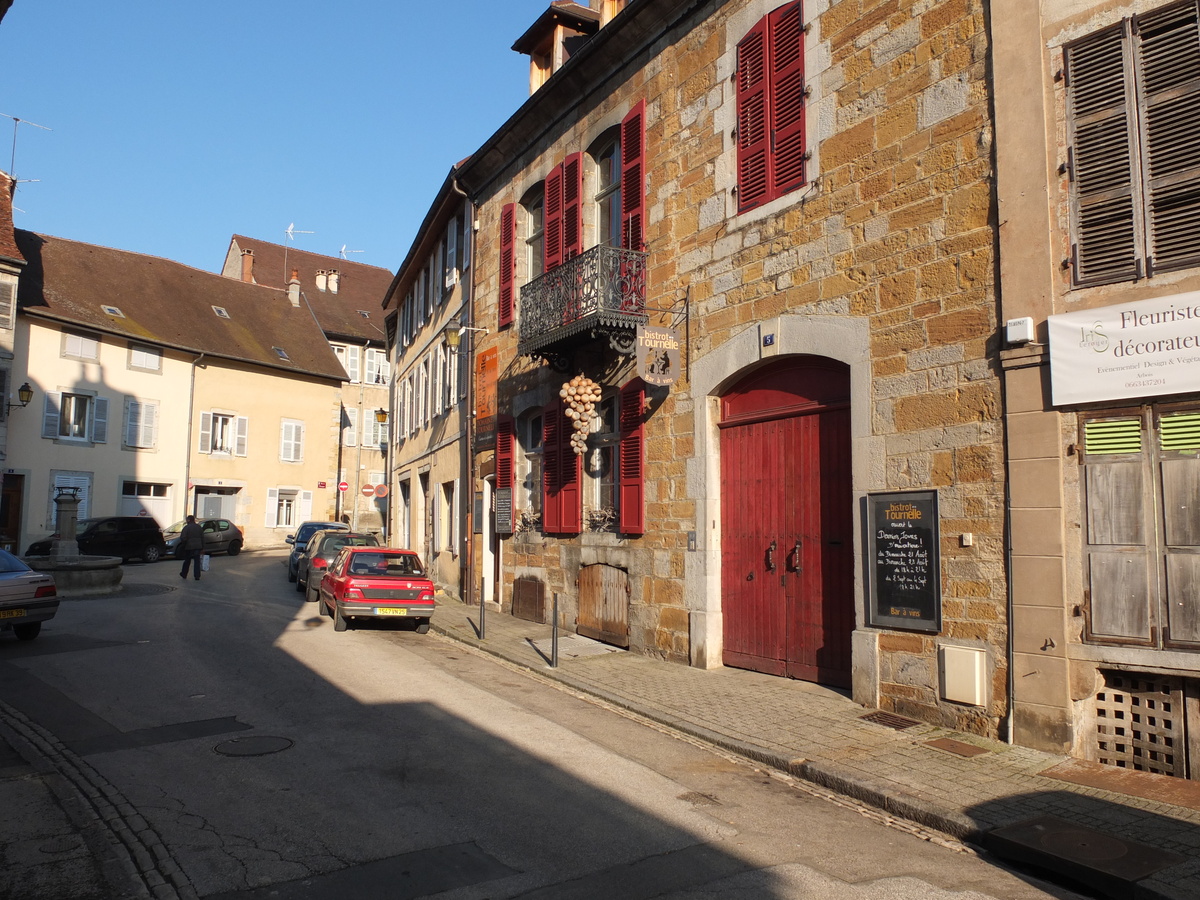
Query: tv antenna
pixel 292 231
pixel 290 235
pixel 344 251
pixel 17 123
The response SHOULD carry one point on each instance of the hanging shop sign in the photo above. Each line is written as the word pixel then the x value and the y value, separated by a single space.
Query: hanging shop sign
pixel 905 561
pixel 1143 349
pixel 658 354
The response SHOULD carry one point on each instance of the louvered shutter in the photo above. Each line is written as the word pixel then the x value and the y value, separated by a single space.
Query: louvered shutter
pixel 752 136
pixel 50 414
pixel 551 454
pixel 632 506
pixel 349 426
pixel 505 438
pixel 785 32
pixel 1101 132
pixel 570 475
pixel 241 436
pixel 553 243
pixel 1179 462
pixel 99 420
pixel 205 433
pixel 149 424
pixel 633 180
pixel 1119 545
pixel 133 423
pixel 306 498
pixel 272 511
pixel 572 216
pixel 508 238
pixel 8 300
pixel 1168 57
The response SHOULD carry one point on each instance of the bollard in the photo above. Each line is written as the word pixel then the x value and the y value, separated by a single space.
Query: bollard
pixel 482 614
pixel 554 635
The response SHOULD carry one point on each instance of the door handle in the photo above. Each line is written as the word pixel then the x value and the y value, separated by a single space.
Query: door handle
pixel 795 556
pixel 771 556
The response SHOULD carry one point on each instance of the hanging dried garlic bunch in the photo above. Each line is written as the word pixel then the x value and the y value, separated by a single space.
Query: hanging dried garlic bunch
pixel 581 394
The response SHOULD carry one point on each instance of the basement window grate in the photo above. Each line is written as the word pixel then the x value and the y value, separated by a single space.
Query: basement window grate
pixel 1140 723
pixel 891 720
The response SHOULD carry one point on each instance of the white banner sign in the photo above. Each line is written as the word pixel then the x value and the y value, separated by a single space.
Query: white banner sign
pixel 1146 348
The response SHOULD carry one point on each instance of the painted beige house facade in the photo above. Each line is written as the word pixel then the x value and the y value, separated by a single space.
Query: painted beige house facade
pixel 1098 182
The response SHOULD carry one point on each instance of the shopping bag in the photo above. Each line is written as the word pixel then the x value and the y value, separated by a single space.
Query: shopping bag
pixel 204 562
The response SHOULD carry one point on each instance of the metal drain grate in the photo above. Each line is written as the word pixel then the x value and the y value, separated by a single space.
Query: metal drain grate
pixel 891 720
pixel 1139 723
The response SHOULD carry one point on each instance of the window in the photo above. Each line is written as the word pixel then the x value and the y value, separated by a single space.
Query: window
pixel 535 232
pixel 348 357
pixel 143 489
pixel 450 257
pixel 141 423
pixel 375 433
pixel 770 108
pixel 78 345
pixel 529 463
pixel 601 463
pixel 447 530
pixel 81 482
pixel 1140 479
pixel 378 369
pixel 1134 153
pixel 291 440
pixel 223 433
pixel 287 507
pixel 148 359
pixel 438 388
pixel 349 426
pixel 608 192
pixel 75 417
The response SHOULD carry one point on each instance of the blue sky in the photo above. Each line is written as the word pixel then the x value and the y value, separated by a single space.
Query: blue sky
pixel 176 125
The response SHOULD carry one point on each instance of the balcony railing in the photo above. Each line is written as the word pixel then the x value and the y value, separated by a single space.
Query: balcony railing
pixel 600 292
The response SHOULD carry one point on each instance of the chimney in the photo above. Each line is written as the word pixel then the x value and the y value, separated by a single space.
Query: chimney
pixel 248 266
pixel 321 278
pixel 8 240
pixel 294 288
pixel 333 280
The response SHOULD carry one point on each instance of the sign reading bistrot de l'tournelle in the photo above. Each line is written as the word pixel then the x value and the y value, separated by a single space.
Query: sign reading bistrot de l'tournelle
pixel 1145 348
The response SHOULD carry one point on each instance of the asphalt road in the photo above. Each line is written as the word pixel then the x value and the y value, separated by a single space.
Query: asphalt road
pixel 276 758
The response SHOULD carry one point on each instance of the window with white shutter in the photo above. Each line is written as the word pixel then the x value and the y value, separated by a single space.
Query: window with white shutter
pixel 141 423
pixel 291 440
pixel 8 303
pixel 349 426
pixel 347 355
pixel 1134 146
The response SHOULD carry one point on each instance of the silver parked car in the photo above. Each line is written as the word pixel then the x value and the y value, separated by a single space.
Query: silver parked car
pixel 27 598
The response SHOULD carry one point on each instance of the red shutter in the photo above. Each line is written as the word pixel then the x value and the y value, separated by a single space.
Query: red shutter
pixel 786 56
pixel 572 219
pixel 633 180
pixel 554 218
pixel 752 136
pixel 551 432
pixel 632 464
pixel 570 472
pixel 505 438
pixel 508 240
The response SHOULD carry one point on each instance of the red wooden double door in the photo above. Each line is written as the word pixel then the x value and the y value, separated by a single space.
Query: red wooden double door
pixel 787 519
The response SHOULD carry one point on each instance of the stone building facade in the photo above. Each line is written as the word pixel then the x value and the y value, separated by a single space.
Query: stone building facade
pixel 836 314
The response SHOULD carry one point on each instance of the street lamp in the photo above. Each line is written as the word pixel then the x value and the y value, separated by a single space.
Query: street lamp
pixel 24 394
pixel 381 416
pixel 453 332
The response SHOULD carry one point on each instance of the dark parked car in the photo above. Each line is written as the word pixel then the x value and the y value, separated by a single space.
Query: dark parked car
pixel 322 547
pixel 377 583
pixel 299 541
pixel 129 537
pixel 220 536
pixel 27 598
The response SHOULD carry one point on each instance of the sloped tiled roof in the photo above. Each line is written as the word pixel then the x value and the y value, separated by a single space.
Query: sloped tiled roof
pixel 8 247
pixel 169 304
pixel 360 287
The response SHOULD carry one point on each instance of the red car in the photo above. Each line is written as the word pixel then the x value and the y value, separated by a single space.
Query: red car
pixel 376 583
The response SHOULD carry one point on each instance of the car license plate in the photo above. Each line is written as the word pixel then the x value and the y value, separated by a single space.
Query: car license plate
pixel 12 613
pixel 391 611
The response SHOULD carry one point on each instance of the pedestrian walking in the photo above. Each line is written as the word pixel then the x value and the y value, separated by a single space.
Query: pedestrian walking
pixel 191 547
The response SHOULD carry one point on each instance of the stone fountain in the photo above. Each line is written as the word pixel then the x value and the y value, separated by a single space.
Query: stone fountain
pixel 75 574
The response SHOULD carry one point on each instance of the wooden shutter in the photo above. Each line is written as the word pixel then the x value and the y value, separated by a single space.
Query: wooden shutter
pixel 50 414
pixel 553 242
pixel 505 438
pixel 1119 545
pixel 632 504
pixel 272 510
pixel 633 180
pixel 551 454
pixel 1179 463
pixel 752 135
pixel 785 33
pixel 240 441
pixel 1168 57
pixel 1103 154
pixel 570 475
pixel 8 302
pixel 205 433
pixel 572 219
pixel 99 420
pixel 508 239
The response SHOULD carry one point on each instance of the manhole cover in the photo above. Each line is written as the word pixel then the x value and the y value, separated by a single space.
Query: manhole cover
pixel 891 720
pixel 253 746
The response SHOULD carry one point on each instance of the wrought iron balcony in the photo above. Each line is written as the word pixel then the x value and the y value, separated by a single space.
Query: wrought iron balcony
pixel 600 292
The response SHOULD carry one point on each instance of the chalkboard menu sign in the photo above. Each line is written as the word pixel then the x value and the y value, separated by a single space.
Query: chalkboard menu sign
pixel 905 561
pixel 504 510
